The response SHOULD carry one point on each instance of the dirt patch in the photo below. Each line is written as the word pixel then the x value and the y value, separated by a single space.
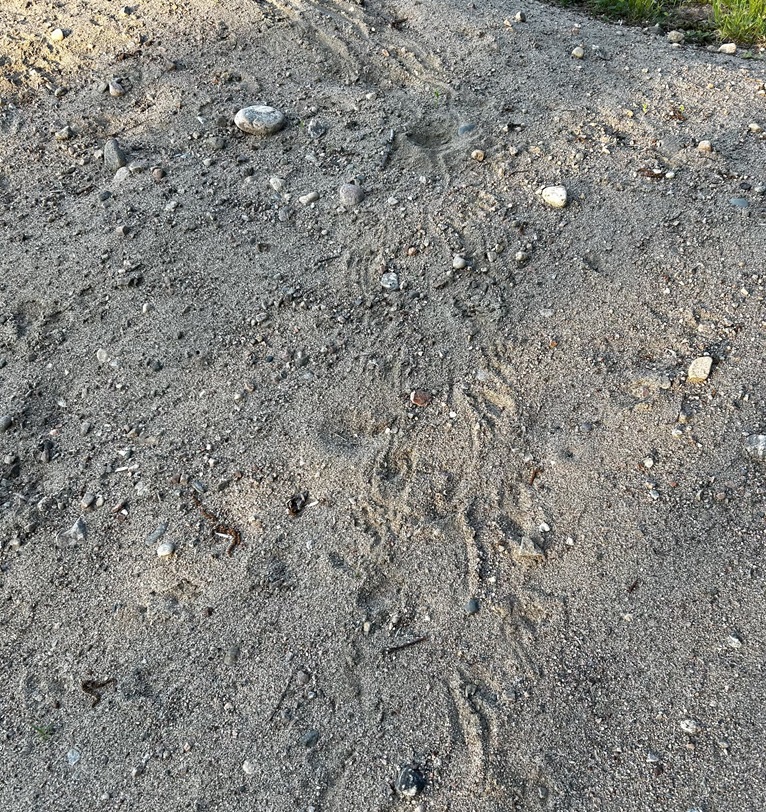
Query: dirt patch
pixel 535 583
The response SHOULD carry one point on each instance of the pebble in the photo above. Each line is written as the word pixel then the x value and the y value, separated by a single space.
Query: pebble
pixel 410 782
pixel 754 127
pixel 72 757
pixel 310 738
pixel 739 202
pixel 690 726
pixel 528 549
pixel 705 146
pixel 166 549
pixel 123 173
pixel 390 281
pixel 156 534
pixel 248 768
pixel 478 155
pixel 86 503
pixel 555 196
pixel 260 120
pixel 64 134
pixel 57 35
pixel 102 356
pixel 459 262
pixel 315 128
pixel 520 17
pixel 676 37
pixel 115 88
pixel 728 48
pixel 77 532
pixel 311 197
pixel 578 52
pixel 114 156
pixel 464 129
pixel 6 421
pixel 699 369
pixel 734 641
pixel 231 656
pixel 521 257
pixel 351 194
pixel 472 607
pixel 755 447
pixel 419 397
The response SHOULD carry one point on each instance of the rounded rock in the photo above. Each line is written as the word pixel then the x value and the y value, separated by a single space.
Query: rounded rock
pixel 578 52
pixel 728 48
pixel 115 88
pixel 705 146
pixel 260 119
pixel 248 768
pixel 459 262
pixel 167 548
pixel 6 421
pixel 675 37
pixel 351 194
pixel 472 607
pixel 410 782
pixel 57 35
pixel 555 196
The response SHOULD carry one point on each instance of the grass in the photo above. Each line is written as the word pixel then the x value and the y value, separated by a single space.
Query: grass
pixel 740 21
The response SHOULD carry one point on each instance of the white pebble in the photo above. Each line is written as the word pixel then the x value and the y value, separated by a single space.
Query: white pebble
pixel 458 262
pixel 728 48
pixel 102 356
pixel 578 52
pixel 555 196
pixel 689 726
pixel 57 35
pixel 165 549
pixel 248 768
pixel 705 146
pixel 259 119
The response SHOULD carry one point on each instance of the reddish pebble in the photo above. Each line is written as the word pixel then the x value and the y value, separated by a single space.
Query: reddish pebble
pixel 419 397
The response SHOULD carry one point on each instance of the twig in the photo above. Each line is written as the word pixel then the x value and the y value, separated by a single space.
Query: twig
pixel 282 696
pixel 392 649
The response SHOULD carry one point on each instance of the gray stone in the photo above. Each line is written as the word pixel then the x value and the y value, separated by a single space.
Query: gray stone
pixel 6 421
pixel 739 202
pixel 310 738
pixel 410 781
pixel 166 549
pixel 351 194
pixel 390 281
pixel 259 119
pixel 472 606
pixel 464 129
pixel 675 37
pixel 115 88
pixel 728 48
pixel 755 447
pixel 459 262
pixel 114 156
pixel 77 532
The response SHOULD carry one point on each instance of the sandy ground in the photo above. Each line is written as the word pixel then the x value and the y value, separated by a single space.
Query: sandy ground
pixel 542 589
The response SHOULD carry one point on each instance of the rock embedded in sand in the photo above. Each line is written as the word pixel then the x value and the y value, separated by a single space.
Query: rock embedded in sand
pixel 260 119
pixel 699 369
pixel 309 197
pixel 675 37
pixel 410 782
pixel 459 262
pixel 555 196
pixel 167 548
pixel 472 606
pixel 728 48
pixel 115 88
pixel 6 421
pixel 755 447
pixel 351 194
pixel 114 156
pixel 390 281
pixel 57 35
pixel 578 52
pixel 690 726
pixel 705 146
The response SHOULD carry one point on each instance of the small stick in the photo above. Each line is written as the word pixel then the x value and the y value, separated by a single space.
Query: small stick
pixel 282 696
pixel 400 646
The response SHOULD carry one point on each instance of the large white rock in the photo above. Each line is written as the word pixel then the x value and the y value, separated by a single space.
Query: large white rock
pixel 260 120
